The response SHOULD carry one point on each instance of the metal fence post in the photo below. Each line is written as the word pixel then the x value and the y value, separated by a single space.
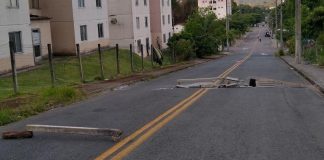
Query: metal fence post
pixel 117 58
pixel 152 54
pixel 13 67
pixel 131 57
pixel 142 56
pixel 101 63
pixel 80 63
pixel 174 55
pixel 50 60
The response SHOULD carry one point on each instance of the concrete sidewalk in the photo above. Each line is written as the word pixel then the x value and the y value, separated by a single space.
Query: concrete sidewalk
pixel 313 73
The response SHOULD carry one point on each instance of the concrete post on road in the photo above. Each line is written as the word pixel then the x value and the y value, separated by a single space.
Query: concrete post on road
pixel 50 60
pixel 131 57
pixel 117 59
pixel 13 67
pixel 101 63
pixel 80 63
pixel 298 35
pixel 142 56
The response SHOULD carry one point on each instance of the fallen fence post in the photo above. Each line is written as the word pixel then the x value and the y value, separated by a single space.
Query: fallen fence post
pixel 117 59
pixel 17 135
pixel 114 133
pixel 142 56
pixel 50 60
pixel 13 67
pixel 80 63
pixel 101 63
pixel 131 57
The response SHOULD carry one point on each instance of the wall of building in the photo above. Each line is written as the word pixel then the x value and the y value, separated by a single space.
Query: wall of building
pixel 44 27
pixel 144 32
pixel 13 20
pixel 62 26
pixel 167 29
pixel 91 16
pixel 158 29
pixel 122 32
pixel 217 6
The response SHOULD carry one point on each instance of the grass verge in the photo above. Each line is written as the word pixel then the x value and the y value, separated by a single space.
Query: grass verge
pixel 36 94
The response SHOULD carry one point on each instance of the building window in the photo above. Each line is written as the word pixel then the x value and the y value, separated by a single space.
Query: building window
pixel 138 24
pixel 169 35
pixel 83 33
pixel 81 3
pixel 98 3
pixel 100 30
pixel 162 2
pixel 168 2
pixel 13 3
pixel 145 2
pixel 35 4
pixel 136 2
pixel 169 19
pixel 163 19
pixel 15 38
pixel 164 38
pixel 146 22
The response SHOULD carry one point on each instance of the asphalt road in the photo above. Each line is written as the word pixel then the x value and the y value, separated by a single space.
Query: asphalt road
pixel 236 124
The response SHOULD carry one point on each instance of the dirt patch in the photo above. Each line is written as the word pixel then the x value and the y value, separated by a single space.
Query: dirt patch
pixel 15 102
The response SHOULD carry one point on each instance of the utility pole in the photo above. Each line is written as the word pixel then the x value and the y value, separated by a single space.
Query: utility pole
pixel 227 27
pixel 298 35
pixel 276 19
pixel 281 26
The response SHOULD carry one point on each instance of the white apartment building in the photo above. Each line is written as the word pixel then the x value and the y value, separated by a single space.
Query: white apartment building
pixel 129 23
pixel 161 22
pixel 217 6
pixel 83 22
pixel 15 27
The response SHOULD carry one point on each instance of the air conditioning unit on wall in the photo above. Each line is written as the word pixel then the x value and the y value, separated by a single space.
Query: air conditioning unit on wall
pixel 113 19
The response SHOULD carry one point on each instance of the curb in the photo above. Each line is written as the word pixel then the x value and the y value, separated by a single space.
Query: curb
pixel 303 74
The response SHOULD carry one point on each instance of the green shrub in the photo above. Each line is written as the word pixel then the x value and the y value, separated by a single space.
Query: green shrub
pixel 291 46
pixel 184 50
pixel 6 116
pixel 320 60
pixel 60 94
pixel 310 55
pixel 280 53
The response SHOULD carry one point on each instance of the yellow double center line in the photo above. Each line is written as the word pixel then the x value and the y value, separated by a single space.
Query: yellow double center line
pixel 130 143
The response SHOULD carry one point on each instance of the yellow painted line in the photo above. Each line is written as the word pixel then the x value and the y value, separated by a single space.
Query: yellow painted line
pixel 156 124
pixel 156 128
pixel 120 144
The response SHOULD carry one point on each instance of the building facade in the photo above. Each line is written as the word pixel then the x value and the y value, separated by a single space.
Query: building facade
pixel 41 30
pixel 15 27
pixel 161 22
pixel 129 23
pixel 83 22
pixel 217 6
